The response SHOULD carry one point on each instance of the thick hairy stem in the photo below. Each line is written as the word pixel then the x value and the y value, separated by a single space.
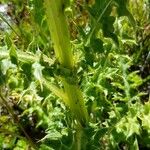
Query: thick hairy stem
pixel 80 139
pixel 60 37
pixel 59 32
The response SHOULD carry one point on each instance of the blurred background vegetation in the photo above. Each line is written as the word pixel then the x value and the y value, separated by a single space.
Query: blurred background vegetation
pixel 113 67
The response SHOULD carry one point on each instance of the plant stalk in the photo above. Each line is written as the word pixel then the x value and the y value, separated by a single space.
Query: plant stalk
pixel 59 31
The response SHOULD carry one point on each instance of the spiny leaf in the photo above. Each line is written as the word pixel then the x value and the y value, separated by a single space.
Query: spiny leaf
pixel 8 41
pixel 37 72
pixel 123 11
pixel 108 28
pixel 97 45
pixel 13 55
pixel 134 146
pixel 5 65
pixel 12 50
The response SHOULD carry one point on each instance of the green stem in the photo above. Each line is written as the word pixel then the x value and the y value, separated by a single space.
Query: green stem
pixel 59 32
pixel 60 36
pixel 56 90
pixel 80 139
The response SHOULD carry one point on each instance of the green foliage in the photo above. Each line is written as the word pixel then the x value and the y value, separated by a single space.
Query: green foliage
pixel 107 70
